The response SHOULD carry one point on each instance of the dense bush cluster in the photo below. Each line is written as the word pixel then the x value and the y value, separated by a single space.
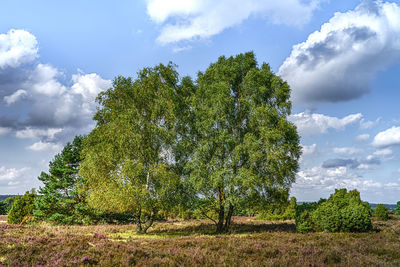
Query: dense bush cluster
pixel 342 212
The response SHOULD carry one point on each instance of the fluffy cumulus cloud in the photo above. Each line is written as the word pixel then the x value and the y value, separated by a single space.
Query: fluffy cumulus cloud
pixel 387 138
pixel 35 133
pixel 16 48
pixel 323 179
pixel 190 19
pixel 55 108
pixel 314 123
pixel 11 176
pixel 45 146
pixel 338 62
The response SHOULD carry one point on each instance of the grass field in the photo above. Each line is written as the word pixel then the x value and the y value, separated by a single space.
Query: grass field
pixel 192 243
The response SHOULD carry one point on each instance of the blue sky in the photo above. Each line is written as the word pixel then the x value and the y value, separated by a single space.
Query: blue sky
pixel 341 59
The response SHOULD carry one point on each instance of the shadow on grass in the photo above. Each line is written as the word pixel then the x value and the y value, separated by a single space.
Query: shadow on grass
pixel 177 229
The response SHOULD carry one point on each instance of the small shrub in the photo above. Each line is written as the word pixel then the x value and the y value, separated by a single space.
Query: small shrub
pixel 342 212
pixel 304 223
pixel 22 209
pixel 381 212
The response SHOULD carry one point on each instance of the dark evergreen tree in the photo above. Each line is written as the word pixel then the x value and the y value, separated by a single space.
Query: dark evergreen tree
pixel 59 200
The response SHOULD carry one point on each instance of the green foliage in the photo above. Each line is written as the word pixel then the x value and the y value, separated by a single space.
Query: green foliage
pixel 381 212
pixel 127 162
pixel 397 209
pixel 304 223
pixel 6 204
pixel 59 200
pixel 342 212
pixel 22 208
pixel 280 211
pixel 243 148
pixel 356 218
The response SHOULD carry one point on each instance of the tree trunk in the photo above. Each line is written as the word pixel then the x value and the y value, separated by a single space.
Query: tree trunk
pixel 221 212
pixel 228 219
pixel 149 223
pixel 138 222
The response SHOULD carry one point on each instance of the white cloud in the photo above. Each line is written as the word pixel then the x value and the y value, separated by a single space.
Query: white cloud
pixel 4 130
pixel 338 62
pixel 383 152
pixel 362 137
pixel 16 48
pixel 45 146
pixel 313 123
pixel 364 124
pixel 51 102
pixel 347 150
pixel 191 19
pixel 11 99
pixel 89 85
pixel 55 104
pixel 35 133
pixel 321 179
pixel 387 138
pixel 10 176
pixel 44 81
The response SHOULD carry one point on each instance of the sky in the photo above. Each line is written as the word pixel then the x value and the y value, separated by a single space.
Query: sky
pixel 341 59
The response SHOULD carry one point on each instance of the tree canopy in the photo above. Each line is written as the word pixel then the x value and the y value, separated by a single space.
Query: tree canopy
pixel 128 154
pixel 245 150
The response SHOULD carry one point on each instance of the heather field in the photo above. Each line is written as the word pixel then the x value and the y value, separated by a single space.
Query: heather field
pixel 192 243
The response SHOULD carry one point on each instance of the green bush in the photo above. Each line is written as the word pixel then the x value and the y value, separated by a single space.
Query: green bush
pixel 397 209
pixel 381 212
pixel 304 224
pixel 342 212
pixel 327 217
pixel 22 208
pixel 356 218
